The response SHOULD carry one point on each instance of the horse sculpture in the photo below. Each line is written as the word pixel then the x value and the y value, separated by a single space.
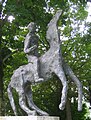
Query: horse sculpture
pixel 49 63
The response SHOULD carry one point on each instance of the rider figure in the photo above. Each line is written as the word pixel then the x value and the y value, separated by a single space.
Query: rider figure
pixel 31 49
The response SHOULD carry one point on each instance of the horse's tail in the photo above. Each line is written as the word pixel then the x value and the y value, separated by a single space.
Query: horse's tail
pixel 9 90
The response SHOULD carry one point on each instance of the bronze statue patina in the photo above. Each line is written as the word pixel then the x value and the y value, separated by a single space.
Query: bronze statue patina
pixel 50 62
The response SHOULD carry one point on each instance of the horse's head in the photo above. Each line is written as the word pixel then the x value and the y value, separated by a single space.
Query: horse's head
pixel 55 18
pixel 52 35
pixel 58 14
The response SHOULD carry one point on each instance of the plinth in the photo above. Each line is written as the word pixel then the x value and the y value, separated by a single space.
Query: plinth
pixel 29 118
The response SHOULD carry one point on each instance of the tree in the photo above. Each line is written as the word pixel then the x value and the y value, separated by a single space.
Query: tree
pixel 1 61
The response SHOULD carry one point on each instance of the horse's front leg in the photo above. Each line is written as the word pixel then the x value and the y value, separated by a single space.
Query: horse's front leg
pixel 60 73
pixel 71 74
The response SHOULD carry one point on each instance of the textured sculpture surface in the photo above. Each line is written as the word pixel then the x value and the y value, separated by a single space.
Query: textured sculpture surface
pixel 31 49
pixel 49 63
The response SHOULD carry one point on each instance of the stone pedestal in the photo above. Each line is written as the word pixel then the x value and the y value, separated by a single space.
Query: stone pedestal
pixel 28 118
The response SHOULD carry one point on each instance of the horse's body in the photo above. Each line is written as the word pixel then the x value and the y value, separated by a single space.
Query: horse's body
pixel 49 63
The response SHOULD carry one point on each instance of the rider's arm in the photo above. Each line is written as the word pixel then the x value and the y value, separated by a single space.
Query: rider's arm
pixel 28 50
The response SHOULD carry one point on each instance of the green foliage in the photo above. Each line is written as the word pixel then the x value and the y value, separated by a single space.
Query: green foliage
pixel 76 50
pixel 45 94
pixel 79 115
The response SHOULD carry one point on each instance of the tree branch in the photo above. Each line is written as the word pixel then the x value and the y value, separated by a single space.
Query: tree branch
pixel 9 56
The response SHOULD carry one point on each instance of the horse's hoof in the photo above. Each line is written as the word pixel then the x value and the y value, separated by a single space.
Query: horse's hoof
pixel 33 113
pixel 44 114
pixel 61 107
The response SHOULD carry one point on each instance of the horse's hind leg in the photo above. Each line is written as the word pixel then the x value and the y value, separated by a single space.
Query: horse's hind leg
pixel 9 90
pixel 60 73
pixel 22 103
pixel 28 93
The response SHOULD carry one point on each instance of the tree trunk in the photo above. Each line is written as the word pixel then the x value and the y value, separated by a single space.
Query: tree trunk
pixel 68 110
pixel 1 67
pixel 1 87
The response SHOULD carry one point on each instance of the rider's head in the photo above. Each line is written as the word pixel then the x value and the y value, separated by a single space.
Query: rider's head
pixel 32 27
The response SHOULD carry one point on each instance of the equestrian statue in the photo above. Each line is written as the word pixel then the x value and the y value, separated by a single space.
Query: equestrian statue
pixel 40 69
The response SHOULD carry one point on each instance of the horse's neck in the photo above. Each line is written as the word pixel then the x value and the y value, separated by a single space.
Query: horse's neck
pixel 54 21
pixel 53 36
pixel 54 49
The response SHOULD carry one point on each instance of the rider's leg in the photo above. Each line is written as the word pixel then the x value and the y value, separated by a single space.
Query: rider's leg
pixel 35 67
pixel 36 70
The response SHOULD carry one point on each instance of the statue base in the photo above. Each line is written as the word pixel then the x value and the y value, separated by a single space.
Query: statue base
pixel 28 118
